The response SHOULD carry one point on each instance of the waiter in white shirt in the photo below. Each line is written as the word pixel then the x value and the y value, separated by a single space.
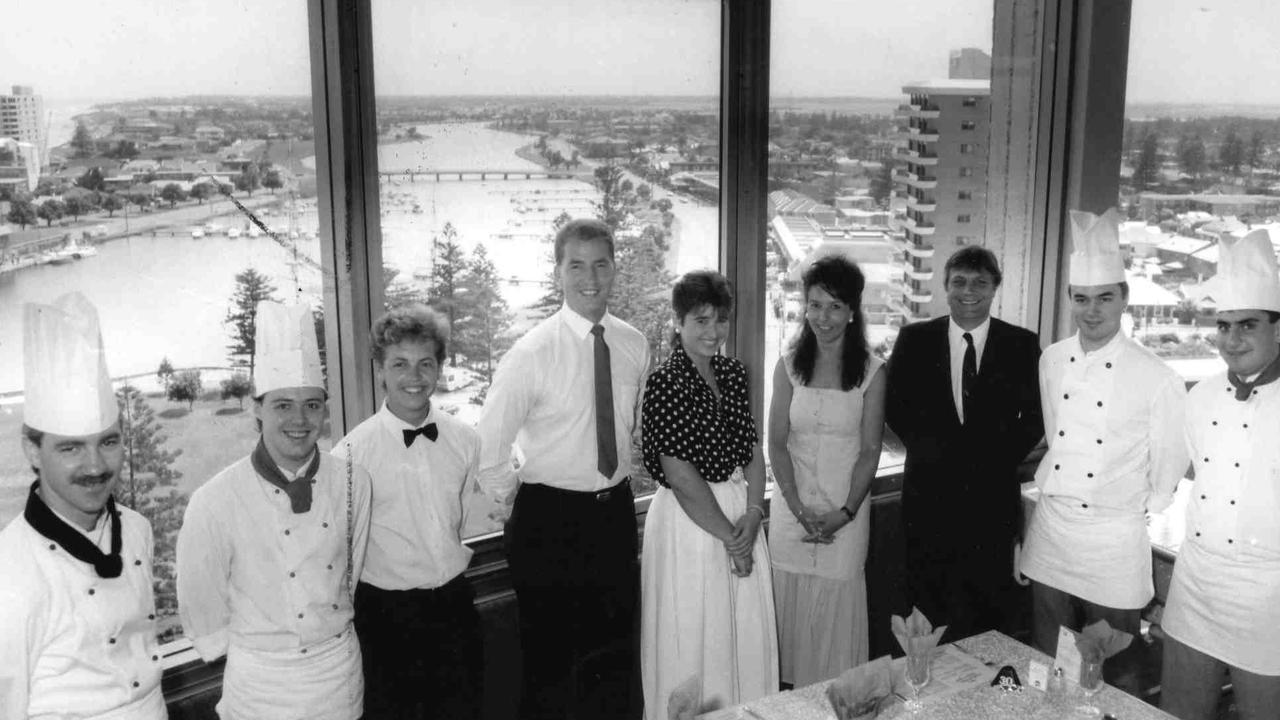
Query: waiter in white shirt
pixel 566 394
pixel 1223 615
pixel 77 615
pixel 271 548
pixel 1113 417
pixel 415 609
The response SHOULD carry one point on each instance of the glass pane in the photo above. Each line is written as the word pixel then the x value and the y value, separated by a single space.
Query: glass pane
pixel 878 130
pixel 491 137
pixel 120 154
pixel 1202 129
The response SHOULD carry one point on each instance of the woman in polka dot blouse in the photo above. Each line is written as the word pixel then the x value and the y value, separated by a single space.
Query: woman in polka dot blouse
pixel 707 601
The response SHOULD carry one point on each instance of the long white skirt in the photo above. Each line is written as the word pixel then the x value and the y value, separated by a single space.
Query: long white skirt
pixel 822 625
pixel 697 617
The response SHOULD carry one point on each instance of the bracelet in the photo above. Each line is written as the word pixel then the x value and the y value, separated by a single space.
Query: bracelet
pixel 848 514
pixel 757 508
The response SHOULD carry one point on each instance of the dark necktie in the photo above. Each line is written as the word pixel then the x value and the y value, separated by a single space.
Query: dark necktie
pixel 607 450
pixel 968 377
pixel 47 523
pixel 298 490
pixel 427 431
pixel 1245 389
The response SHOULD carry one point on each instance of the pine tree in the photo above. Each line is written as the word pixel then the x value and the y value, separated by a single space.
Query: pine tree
pixel 554 297
pixel 483 318
pixel 149 485
pixel 642 290
pixel 447 267
pixel 251 288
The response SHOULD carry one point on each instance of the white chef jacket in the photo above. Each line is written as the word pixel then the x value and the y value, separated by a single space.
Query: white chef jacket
pixel 1113 420
pixel 1225 596
pixel 420 496
pixel 543 400
pixel 72 644
pixel 268 588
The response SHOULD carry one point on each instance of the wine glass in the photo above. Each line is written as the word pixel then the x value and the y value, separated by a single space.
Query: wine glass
pixel 917 676
pixel 1090 684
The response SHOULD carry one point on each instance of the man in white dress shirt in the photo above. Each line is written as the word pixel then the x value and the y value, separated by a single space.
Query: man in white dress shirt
pixel 271 547
pixel 566 395
pixel 1222 618
pixel 77 615
pixel 1113 416
pixel 415 609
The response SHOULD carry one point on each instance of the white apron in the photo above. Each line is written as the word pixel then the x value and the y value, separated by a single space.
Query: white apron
pixel 321 682
pixel 1098 554
pixel 148 707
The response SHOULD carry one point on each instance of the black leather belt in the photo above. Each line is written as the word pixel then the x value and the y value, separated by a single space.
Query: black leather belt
pixel 600 496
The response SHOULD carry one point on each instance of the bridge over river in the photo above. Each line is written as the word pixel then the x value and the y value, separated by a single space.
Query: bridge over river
pixel 488 173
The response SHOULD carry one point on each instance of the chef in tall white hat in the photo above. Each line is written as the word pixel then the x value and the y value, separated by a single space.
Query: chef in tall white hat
pixel 271 548
pixel 1113 416
pixel 1223 614
pixel 77 625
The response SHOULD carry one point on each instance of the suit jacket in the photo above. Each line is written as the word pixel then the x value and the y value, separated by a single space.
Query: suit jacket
pixel 959 487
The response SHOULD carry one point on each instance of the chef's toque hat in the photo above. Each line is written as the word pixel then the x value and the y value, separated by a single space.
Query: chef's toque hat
pixel 68 389
pixel 286 351
pixel 1247 276
pixel 1095 242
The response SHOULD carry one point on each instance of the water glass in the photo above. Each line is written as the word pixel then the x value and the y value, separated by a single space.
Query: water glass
pixel 917 676
pixel 1090 684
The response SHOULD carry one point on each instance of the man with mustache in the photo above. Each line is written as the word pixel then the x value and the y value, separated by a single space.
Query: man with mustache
pixel 1113 420
pixel 271 548
pixel 1223 615
pixel 78 634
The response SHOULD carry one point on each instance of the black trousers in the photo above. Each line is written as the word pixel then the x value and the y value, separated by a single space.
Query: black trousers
pixel 573 559
pixel 1054 608
pixel 422 652
pixel 963 584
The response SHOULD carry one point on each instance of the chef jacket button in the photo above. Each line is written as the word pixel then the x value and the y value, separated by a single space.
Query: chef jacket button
pixel 1237 464
pixel 52 546
pixel 1255 392
pixel 1073 358
pixel 324 524
pixel 135 683
pixel 1206 459
pixel 1233 502
pixel 277 491
pixel 1057 467
pixel 331 567
pixel 1062 433
pixel 1099 441
pixel 1084 505
pixel 286 532
pixel 155 658
pixel 1099 403
pixel 1230 541
pixel 1215 422
pixel 293 574
pixel 1202 497
pixel 299 616
pixel 335 606
pixel 1066 396
pixel 92 591
pixel 152 616
pixel 1108 366
pixel 112 641
pixel 304 651
pixel 1246 426
pixel 1197 533
pixel 1089 475
pixel 137 562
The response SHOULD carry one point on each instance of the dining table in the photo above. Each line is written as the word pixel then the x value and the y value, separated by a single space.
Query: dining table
pixel 960 689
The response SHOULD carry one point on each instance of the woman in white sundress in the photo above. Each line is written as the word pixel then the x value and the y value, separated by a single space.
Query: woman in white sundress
pixel 825 426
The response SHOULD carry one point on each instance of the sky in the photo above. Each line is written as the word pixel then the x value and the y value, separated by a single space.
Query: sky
pixel 1219 51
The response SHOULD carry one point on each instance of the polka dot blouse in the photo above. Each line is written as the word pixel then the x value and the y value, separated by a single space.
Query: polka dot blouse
pixel 682 419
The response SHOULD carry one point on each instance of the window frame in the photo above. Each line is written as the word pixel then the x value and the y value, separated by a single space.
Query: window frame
pixel 1060 150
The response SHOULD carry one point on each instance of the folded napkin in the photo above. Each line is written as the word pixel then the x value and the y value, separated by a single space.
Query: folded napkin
pixel 859 692
pixel 686 700
pixel 1100 641
pixel 916 634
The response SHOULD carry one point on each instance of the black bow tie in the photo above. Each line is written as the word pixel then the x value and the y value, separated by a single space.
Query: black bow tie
pixel 427 431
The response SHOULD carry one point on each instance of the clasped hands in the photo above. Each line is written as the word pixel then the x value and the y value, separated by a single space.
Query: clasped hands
pixel 742 541
pixel 819 528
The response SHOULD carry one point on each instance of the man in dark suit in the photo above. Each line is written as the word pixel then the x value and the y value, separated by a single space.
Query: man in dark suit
pixel 964 399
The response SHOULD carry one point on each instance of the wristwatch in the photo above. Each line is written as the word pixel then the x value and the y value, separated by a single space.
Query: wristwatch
pixel 848 514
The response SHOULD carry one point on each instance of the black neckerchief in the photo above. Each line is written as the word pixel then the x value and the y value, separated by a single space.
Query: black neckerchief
pixel 299 491
pixel 1245 389
pixel 48 524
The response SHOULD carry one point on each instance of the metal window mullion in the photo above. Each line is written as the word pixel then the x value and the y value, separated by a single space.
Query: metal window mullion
pixel 347 189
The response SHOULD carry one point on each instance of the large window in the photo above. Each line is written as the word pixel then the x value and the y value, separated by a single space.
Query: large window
pixel 1201 160
pixel 499 121
pixel 871 107
pixel 142 114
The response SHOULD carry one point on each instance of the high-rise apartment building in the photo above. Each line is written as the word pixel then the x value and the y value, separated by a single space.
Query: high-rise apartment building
pixel 22 118
pixel 969 64
pixel 943 176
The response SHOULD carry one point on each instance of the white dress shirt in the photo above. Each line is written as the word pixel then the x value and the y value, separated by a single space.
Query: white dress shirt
pixel 1225 596
pixel 254 574
pixel 543 400
pixel 419 498
pixel 955 335
pixel 1113 420
pixel 72 644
